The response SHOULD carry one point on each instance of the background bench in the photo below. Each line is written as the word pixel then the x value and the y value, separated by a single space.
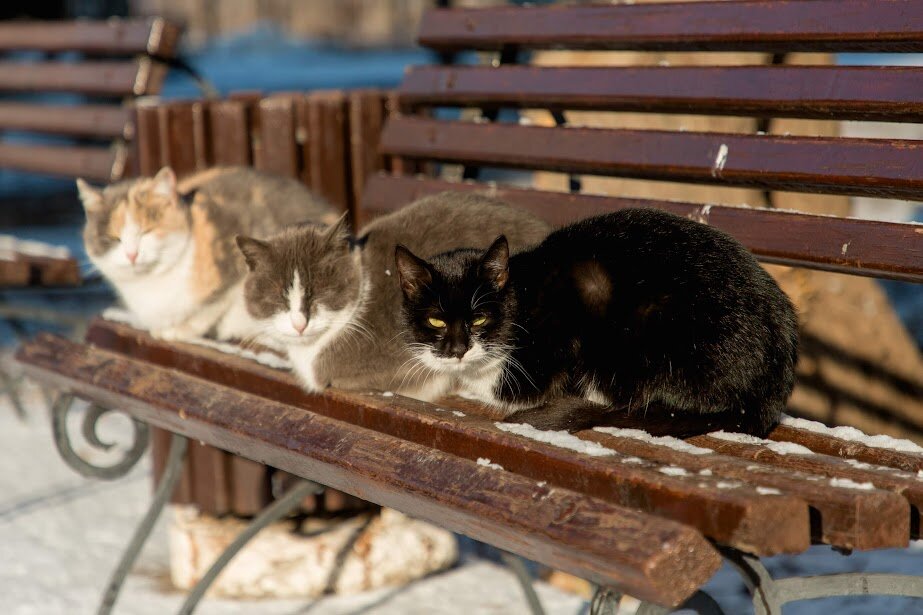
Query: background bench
pixel 634 513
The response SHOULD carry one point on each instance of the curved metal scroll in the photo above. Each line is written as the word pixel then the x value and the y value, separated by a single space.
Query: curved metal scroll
pixel 59 413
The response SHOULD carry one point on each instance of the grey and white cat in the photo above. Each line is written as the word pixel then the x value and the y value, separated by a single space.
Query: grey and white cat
pixel 168 248
pixel 334 302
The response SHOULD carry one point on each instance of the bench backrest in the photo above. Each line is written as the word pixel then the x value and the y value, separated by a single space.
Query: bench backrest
pixel 328 140
pixel 103 65
pixel 847 166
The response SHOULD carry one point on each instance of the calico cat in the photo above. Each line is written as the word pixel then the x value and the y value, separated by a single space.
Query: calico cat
pixel 334 302
pixel 637 318
pixel 168 248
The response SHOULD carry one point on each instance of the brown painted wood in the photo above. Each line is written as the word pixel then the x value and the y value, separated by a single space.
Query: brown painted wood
pixel 147 120
pixel 842 92
pixel 93 163
pixel 102 78
pixel 323 120
pixel 14 272
pixel 650 558
pixel 872 248
pixel 753 25
pixel 829 445
pixel 742 517
pixel 366 118
pixel 249 486
pixel 31 270
pixel 229 138
pixel 154 36
pixel 871 167
pixel 102 121
pixel 178 149
pixel 209 478
pixel 160 449
pixel 904 483
pixel 845 518
pixel 278 153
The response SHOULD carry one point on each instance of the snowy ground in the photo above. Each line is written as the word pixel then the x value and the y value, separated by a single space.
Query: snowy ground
pixel 60 536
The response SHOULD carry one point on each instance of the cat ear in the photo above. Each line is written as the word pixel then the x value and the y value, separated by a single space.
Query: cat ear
pixel 91 197
pixel 254 250
pixel 338 231
pixel 412 271
pixel 164 183
pixel 495 263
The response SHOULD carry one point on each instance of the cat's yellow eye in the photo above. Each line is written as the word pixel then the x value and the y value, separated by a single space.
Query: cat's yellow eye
pixel 436 323
pixel 478 321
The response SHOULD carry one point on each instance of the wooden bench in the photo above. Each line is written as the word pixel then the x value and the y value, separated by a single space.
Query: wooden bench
pixel 649 517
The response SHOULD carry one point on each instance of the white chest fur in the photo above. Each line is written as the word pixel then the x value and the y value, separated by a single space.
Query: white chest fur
pixel 161 299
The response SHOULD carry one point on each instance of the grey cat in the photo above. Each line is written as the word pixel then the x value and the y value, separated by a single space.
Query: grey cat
pixel 334 302
pixel 168 247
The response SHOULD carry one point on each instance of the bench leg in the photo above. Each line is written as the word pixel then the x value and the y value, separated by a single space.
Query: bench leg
pixel 518 566
pixel 171 474
pixel 9 386
pixel 289 502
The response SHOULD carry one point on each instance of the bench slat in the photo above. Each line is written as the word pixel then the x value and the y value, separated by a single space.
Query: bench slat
pixel 91 163
pixel 117 78
pixel 738 517
pixel 843 92
pixel 322 120
pixel 754 25
pixel 230 140
pixel 653 559
pixel 904 483
pixel 105 121
pixel 872 248
pixel 848 518
pixel 870 167
pixel 830 445
pixel 154 36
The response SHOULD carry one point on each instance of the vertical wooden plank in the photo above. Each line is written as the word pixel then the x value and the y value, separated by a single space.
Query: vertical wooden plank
pixel 177 144
pixel 200 135
pixel 250 487
pixel 326 145
pixel 209 478
pixel 279 153
pixel 366 112
pixel 148 139
pixel 160 448
pixel 228 134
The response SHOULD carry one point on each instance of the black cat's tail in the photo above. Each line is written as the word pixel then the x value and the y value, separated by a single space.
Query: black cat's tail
pixel 576 414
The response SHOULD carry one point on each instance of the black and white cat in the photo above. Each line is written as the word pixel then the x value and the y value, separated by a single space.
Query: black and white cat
pixel 637 318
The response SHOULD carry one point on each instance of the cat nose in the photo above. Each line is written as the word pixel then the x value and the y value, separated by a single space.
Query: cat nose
pixel 131 255
pixel 457 351
pixel 299 322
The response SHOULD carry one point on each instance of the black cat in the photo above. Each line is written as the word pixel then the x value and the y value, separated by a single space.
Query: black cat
pixel 638 318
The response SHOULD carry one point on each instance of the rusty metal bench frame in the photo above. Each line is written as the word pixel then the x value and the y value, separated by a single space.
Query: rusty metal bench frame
pixel 113 370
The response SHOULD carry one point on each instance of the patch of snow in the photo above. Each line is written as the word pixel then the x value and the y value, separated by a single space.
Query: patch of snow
pixel 705 472
pixel 458 413
pixel 673 471
pixel 561 439
pixel 542 483
pixel 668 441
pixel 268 359
pixel 632 460
pixel 728 485
pixel 720 160
pixel 780 448
pixel 11 245
pixel 264 358
pixel 848 483
pixel 484 461
pixel 768 491
pixel 387 394
pixel 388 272
pixel 851 434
